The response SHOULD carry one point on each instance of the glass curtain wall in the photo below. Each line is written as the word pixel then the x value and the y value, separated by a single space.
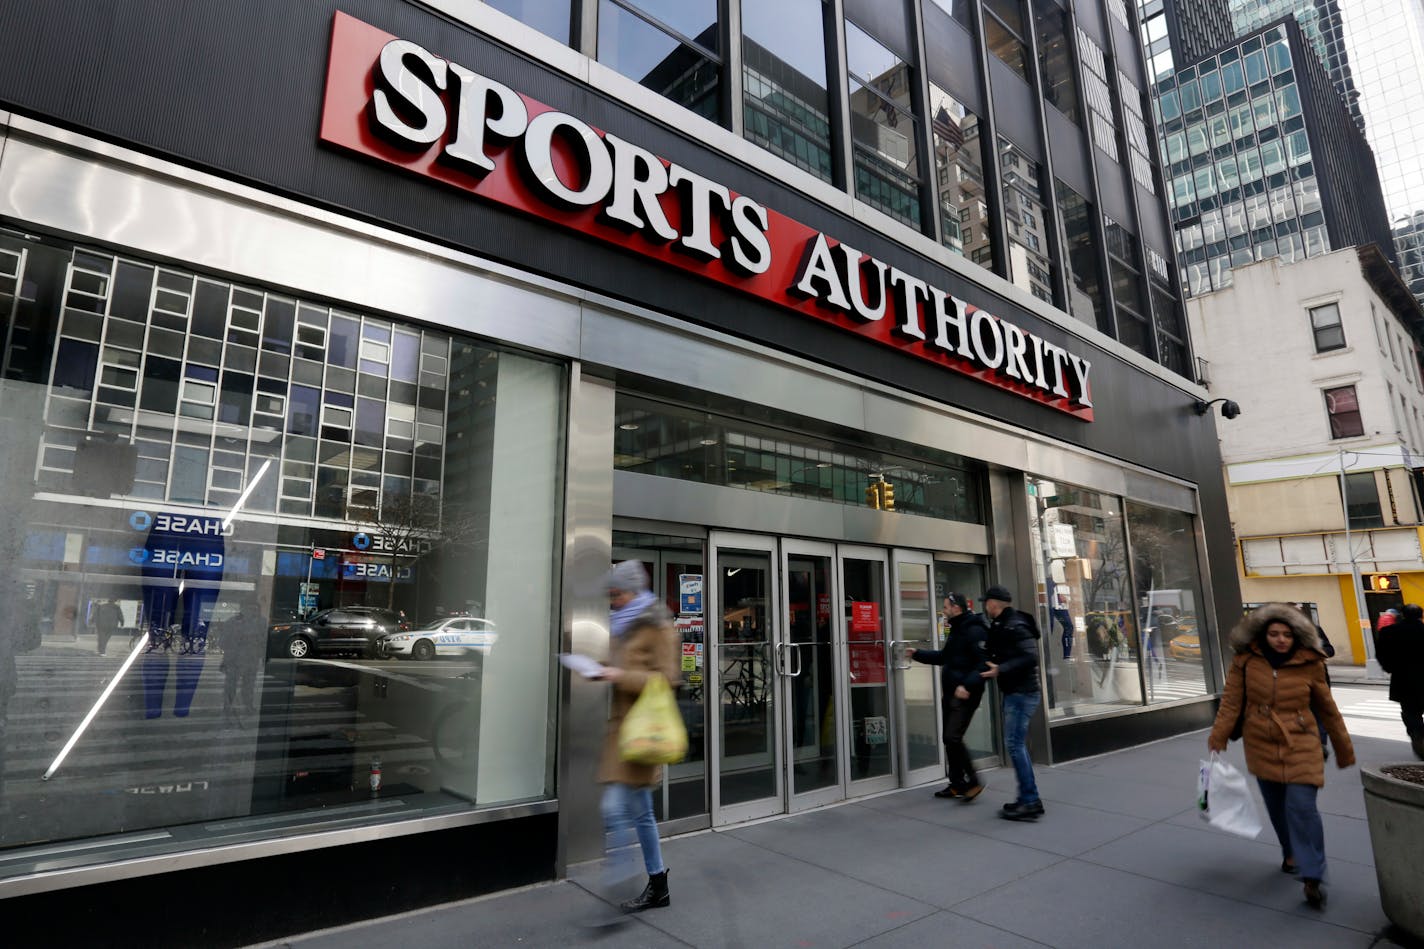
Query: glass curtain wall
pixel 1081 242
pixel 1169 602
pixel 1055 58
pixel 1005 34
pixel 786 105
pixel 671 46
pixel 884 127
pixel 550 17
pixel 240 508
pixel 959 179
pixel 1025 199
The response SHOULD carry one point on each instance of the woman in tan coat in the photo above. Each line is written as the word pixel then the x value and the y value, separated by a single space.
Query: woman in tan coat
pixel 1277 687
pixel 641 645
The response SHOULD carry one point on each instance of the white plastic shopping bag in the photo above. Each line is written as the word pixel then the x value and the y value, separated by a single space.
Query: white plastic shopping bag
pixel 1224 799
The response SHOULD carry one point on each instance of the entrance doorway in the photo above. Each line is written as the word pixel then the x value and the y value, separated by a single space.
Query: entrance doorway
pixel 810 698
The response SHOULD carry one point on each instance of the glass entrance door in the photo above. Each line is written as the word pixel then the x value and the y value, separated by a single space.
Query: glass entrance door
pixel 865 612
pixel 810 658
pixel 921 758
pixel 744 665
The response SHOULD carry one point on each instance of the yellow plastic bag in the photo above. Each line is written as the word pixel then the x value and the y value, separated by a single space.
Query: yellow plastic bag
pixel 652 732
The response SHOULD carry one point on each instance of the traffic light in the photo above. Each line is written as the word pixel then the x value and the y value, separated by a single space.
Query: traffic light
pixel 887 496
pixel 872 495
pixel 1383 583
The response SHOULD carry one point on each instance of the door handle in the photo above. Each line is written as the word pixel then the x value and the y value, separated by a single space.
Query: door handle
pixel 894 660
pixel 796 651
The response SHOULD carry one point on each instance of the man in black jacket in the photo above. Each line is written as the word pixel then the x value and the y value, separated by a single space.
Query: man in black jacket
pixel 1401 654
pixel 1013 660
pixel 960 661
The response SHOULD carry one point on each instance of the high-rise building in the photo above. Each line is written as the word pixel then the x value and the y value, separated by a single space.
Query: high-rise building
pixel 1262 158
pixel 1320 21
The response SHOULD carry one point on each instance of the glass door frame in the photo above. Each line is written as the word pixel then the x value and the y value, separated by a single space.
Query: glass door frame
pixel 790 548
pixel 717 542
pixel 901 639
pixel 882 782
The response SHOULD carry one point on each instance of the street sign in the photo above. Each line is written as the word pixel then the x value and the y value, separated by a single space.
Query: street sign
pixel 318 553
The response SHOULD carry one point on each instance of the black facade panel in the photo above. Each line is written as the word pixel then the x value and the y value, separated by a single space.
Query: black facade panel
pixel 952 66
pixel 887 21
pixel 1069 144
pixel 1112 192
pixel 1101 735
pixel 1015 108
pixel 237 89
pixel 249 901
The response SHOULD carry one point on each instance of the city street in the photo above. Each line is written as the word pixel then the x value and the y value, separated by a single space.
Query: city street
pixel 1120 859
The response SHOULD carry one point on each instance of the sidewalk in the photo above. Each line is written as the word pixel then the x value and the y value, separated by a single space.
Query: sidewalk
pixel 1120 859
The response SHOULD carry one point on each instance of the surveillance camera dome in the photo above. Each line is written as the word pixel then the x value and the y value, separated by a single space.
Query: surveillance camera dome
pixel 1230 409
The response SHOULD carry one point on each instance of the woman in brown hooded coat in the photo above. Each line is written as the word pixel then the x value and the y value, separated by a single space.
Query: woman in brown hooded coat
pixel 1277 686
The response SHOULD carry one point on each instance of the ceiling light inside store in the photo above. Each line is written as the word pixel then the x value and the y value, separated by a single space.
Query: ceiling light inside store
pixel 629 426
pixel 709 441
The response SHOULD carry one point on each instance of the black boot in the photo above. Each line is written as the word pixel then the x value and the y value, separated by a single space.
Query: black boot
pixel 654 895
pixel 1417 742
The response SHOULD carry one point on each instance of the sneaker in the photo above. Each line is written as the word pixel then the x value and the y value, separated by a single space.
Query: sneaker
pixel 1016 811
pixel 948 791
pixel 971 793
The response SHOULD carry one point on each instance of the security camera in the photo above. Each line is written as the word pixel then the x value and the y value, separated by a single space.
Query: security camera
pixel 1230 409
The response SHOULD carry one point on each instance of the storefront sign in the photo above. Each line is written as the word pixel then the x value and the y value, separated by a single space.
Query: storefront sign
pixel 186 525
pixel 394 101
pixel 864 617
pixel 867 651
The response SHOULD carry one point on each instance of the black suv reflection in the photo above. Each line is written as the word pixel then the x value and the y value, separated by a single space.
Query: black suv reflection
pixel 347 629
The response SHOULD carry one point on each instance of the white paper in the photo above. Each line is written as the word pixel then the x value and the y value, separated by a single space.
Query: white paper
pixel 583 665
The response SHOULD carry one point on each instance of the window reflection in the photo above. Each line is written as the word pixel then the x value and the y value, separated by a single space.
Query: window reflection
pixel 670 441
pixel 671 48
pixel 884 135
pixel 1091 644
pixel 550 17
pixel 253 518
pixel 1024 217
pixel 959 178
pixel 1169 602
pixel 1060 84
pixel 1081 242
pixel 786 105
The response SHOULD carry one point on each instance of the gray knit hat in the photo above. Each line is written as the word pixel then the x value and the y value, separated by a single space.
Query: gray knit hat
pixel 628 576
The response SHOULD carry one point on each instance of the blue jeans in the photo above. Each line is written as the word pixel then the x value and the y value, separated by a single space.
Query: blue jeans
pixel 1297 823
pixel 628 811
pixel 1019 709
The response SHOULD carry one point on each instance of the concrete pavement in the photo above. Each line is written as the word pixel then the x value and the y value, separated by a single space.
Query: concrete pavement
pixel 1120 859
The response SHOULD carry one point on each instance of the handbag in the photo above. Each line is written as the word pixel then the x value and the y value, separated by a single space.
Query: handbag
pixel 652 732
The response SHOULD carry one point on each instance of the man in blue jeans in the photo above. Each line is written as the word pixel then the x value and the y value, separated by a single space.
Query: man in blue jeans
pixel 1012 645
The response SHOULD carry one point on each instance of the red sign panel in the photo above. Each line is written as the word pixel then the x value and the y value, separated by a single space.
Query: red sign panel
pixel 390 100
pixel 864 617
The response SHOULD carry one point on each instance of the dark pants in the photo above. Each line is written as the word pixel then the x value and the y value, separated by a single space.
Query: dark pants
pixel 103 634
pixel 1065 619
pixel 958 713
pixel 1412 713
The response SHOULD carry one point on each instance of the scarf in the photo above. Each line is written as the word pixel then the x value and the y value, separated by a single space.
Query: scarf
pixel 1278 659
pixel 620 620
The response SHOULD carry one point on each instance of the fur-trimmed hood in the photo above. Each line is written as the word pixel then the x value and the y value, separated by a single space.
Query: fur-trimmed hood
pixel 1249 629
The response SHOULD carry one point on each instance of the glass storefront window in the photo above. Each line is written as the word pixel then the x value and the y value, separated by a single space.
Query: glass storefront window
pixel 959 178
pixel 884 127
pixel 671 441
pixel 1170 611
pixel 1085 607
pixel 786 104
pixel 670 47
pixel 247 549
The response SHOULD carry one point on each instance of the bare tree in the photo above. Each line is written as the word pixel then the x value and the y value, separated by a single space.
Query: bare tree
pixel 408 527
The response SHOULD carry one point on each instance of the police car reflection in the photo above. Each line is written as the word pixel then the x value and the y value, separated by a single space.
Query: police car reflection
pixel 451 636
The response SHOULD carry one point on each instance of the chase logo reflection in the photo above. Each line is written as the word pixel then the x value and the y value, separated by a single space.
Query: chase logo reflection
pixel 393 100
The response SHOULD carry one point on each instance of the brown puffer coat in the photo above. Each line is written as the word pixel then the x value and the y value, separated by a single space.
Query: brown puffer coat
pixel 648 646
pixel 1280 734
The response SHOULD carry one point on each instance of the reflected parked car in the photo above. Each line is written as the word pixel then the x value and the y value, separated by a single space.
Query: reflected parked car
pixel 450 636
pixel 1185 646
pixel 346 629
